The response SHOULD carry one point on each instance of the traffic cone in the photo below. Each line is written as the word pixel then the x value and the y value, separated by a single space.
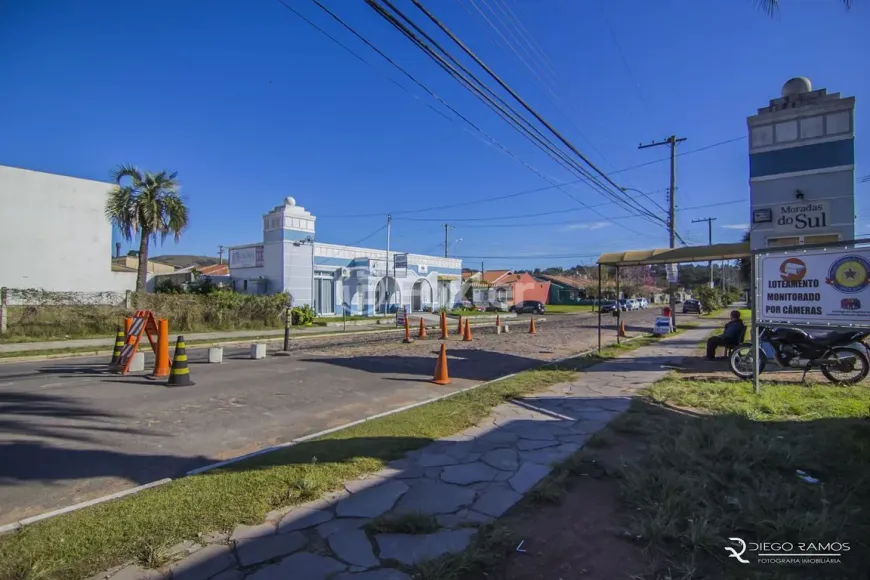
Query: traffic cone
pixel 407 339
pixel 466 335
pixel 622 328
pixel 443 325
pixel 119 344
pixel 422 333
pixel 459 327
pixel 532 325
pixel 441 377
pixel 179 375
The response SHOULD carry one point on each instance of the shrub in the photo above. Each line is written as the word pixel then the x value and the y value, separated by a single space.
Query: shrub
pixel 40 315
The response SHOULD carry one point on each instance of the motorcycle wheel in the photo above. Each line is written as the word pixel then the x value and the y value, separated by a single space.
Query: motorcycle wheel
pixel 742 363
pixel 858 371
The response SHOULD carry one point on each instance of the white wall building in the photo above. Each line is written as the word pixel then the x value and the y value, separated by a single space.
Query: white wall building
pixel 54 234
pixel 334 278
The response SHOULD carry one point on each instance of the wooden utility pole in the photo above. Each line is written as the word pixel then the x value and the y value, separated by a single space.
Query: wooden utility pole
pixel 709 221
pixel 220 254
pixel 672 208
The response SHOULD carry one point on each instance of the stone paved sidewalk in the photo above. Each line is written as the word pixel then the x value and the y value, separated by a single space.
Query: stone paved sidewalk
pixel 462 481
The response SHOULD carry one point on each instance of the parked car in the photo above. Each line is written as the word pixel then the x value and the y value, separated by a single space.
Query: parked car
pixel 692 306
pixel 644 303
pixel 625 304
pixel 528 307
pixel 608 306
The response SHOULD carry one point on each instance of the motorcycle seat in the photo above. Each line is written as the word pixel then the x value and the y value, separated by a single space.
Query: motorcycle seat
pixel 830 337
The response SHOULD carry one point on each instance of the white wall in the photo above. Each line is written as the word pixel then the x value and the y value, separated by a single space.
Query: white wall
pixel 54 234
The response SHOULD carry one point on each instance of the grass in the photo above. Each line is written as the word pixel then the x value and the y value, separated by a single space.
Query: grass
pixel 403 524
pixel 775 402
pixel 489 549
pixel 567 308
pixel 81 543
pixel 466 313
pixel 322 320
pixel 730 470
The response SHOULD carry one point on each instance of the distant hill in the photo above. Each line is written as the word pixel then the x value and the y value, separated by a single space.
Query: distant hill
pixel 183 260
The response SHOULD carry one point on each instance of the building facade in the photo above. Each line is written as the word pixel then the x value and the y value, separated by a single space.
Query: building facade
pixel 802 168
pixel 336 279
pixel 55 236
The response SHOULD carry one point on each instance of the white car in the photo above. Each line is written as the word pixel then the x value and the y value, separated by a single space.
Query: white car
pixel 643 302
pixel 633 304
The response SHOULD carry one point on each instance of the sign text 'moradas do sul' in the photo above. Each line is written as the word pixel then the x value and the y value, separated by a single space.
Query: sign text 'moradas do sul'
pixel 817 286
pixel 801 217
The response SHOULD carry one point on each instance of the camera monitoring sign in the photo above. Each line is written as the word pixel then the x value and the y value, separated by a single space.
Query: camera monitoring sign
pixel 821 287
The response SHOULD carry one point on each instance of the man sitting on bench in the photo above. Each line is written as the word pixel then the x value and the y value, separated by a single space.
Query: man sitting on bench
pixel 731 336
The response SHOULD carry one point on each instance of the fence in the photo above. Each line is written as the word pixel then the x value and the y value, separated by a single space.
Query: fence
pixel 28 314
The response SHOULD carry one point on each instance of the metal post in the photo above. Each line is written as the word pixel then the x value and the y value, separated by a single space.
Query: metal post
pixel 618 306
pixel 756 342
pixel 288 319
pixel 599 307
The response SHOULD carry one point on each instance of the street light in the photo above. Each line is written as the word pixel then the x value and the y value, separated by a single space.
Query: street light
pixel 309 241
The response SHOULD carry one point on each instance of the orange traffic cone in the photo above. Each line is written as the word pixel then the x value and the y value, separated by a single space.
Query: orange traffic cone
pixel 532 325
pixel 407 339
pixel 441 377
pixel 622 328
pixel 422 333
pixel 443 325
pixel 459 327
pixel 466 335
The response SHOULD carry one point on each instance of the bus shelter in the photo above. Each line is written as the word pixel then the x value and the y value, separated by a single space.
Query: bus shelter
pixel 675 256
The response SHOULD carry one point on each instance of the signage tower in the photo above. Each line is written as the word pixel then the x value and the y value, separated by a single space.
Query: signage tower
pixel 802 168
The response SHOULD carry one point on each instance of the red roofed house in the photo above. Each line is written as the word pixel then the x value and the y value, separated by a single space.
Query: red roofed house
pixel 503 287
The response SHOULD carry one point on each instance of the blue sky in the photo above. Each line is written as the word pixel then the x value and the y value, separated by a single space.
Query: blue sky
pixel 250 104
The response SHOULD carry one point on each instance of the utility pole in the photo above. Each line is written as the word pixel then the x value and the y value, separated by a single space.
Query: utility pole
pixel 709 221
pixel 220 254
pixel 672 208
pixel 387 296
pixel 447 228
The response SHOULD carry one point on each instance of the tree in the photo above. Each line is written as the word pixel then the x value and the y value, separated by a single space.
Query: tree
pixel 148 205
pixel 771 7
pixel 745 264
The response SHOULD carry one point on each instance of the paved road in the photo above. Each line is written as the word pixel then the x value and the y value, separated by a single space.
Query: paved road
pixel 70 432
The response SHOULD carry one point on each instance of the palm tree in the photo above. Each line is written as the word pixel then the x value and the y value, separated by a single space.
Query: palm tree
pixel 147 204
pixel 771 7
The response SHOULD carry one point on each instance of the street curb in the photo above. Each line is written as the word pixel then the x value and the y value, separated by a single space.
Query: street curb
pixel 16 526
pixel 234 342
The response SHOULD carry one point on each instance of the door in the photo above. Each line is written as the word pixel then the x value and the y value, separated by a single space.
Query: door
pixel 324 298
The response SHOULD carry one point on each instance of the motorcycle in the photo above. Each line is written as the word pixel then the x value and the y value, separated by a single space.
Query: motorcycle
pixel 842 356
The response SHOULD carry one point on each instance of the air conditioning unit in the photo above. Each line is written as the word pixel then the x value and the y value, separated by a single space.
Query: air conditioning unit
pixel 342 273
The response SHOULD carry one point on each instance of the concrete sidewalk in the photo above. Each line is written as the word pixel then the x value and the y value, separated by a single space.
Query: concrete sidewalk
pixel 462 481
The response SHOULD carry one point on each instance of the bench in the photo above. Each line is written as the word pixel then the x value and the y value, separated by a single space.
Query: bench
pixel 729 350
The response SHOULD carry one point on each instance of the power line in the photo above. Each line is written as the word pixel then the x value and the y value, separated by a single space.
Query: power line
pixel 559 223
pixel 488 137
pixel 513 118
pixel 538 189
pixel 374 233
pixel 519 99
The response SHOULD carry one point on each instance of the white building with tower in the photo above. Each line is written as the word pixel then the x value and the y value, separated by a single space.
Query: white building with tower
pixel 334 278
pixel 802 168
